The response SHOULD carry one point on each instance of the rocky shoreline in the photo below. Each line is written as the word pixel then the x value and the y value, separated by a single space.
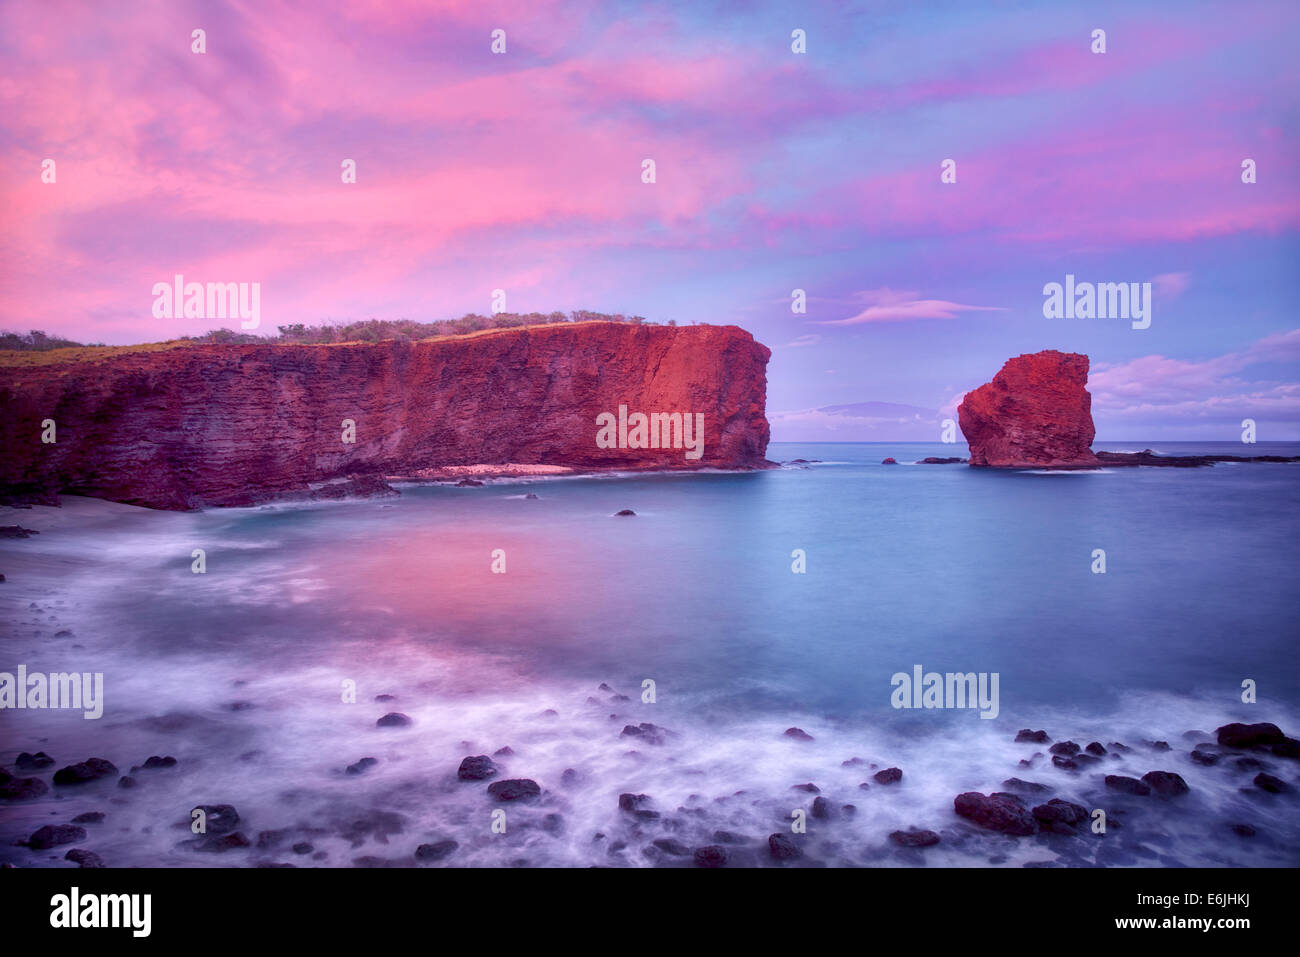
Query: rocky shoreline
pixel 1088 817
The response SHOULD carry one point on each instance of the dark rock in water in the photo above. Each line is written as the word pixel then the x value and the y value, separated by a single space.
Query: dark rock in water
pixel 1119 782
pixel 394 719
pixel 624 512
pixel 711 855
pixel 852 763
pixel 782 847
pixel 553 823
pixel 730 837
pixel 219 843
pixel 514 789
pixel 1065 764
pixel 1083 759
pixel 1028 787
pixel 914 838
pixel 1250 764
pixel 126 781
pixel 939 460
pixel 1287 748
pixel 90 817
pixel 1158 745
pixel 1034 737
pixel 1067 748
pixel 1206 758
pixel 1243 830
pixel 505 752
pixel 647 732
pixel 1116 746
pixel 469 483
pixel 810 788
pixel 155 763
pixel 16 531
pixel 635 804
pixel 1060 816
pixel 569 778
pixel 1095 748
pixel 84 858
pixel 52 835
pixel 22 789
pixel 889 461
pixel 33 762
pixel 476 767
pixel 362 766
pixel 604 687
pixel 303 847
pixel 435 851
pixel 1249 735
pixel 821 807
pixel 218 818
pixel 532 496
pixel 888 776
pixel 672 846
pixel 995 813
pixel 799 734
pixel 92 769
pixel 1149 458
pixel 385 697
pixel 267 839
pixel 1165 783
pixel 1266 782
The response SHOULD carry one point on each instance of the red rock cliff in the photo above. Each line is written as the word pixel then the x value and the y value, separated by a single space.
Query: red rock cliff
pixel 200 425
pixel 1035 413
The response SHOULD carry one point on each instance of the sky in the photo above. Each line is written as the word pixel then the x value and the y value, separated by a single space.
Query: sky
pixel 775 171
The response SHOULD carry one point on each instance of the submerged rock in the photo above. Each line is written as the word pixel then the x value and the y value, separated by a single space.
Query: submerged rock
pixel 782 847
pixel 1119 782
pixel 1060 816
pixel 476 767
pixel 997 812
pixel 394 719
pixel 514 789
pixel 914 838
pixel 1249 735
pixel 711 855
pixel 92 769
pixel 1267 782
pixel 22 789
pixel 799 734
pixel 32 762
pixel 1165 783
pixel 436 851
pixel 52 835
pixel 84 858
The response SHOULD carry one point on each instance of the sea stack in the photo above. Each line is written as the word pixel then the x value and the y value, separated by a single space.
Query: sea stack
pixel 1036 413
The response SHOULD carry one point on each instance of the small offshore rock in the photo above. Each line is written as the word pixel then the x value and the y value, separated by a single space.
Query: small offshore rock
pixel 52 835
pixel 1127 785
pixel 514 789
pixel 914 838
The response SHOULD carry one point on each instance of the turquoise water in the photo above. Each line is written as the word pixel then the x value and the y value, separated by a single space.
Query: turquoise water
pixel 949 568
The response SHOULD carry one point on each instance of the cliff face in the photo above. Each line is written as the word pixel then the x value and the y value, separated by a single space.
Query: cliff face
pixel 1035 413
pixel 203 425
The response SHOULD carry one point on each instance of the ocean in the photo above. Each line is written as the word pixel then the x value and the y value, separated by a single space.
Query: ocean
pixel 693 616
